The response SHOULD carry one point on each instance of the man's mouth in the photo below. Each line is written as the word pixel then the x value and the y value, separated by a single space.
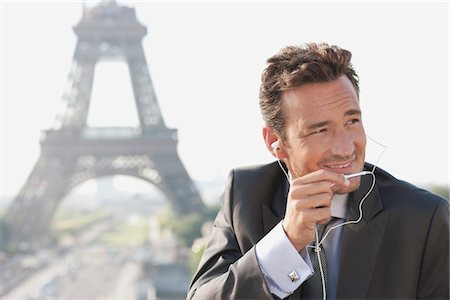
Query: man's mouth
pixel 343 168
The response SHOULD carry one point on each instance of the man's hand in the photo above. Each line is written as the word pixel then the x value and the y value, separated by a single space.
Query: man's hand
pixel 309 203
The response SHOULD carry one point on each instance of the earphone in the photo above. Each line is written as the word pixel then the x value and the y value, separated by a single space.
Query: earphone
pixel 275 145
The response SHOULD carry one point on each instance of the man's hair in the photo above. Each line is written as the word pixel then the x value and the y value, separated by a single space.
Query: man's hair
pixel 295 66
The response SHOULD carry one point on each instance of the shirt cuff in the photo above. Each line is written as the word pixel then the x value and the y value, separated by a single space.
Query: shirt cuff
pixel 283 268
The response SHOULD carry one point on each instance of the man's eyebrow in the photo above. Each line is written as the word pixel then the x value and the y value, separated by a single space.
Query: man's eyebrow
pixel 350 112
pixel 317 125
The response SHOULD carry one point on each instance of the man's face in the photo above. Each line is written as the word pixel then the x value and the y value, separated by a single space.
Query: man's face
pixel 324 129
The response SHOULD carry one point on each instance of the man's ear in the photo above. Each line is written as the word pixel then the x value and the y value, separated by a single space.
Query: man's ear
pixel 270 137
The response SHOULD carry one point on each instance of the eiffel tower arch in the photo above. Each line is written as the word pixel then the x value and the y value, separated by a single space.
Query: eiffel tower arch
pixel 72 152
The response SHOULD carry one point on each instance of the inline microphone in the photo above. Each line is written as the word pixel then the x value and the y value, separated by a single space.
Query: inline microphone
pixel 362 173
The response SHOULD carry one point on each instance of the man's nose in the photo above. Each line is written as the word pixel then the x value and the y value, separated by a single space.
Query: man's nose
pixel 343 143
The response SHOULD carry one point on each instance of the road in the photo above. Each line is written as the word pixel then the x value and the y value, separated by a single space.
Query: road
pixel 89 270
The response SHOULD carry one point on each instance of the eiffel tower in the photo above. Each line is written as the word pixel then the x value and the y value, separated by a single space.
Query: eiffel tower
pixel 72 152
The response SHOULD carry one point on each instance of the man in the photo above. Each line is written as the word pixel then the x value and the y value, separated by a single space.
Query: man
pixel 397 243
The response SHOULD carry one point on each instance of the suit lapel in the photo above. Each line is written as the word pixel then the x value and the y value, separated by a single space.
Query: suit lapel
pixel 273 210
pixel 269 219
pixel 360 243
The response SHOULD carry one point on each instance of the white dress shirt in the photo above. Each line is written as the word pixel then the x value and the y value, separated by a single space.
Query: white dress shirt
pixel 284 269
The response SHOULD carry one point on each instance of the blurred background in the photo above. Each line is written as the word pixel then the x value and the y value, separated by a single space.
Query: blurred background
pixel 120 121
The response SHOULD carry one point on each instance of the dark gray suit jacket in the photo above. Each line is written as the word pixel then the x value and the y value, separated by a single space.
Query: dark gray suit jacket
pixel 399 250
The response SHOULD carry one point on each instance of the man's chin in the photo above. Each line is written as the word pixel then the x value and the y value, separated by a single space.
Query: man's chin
pixel 354 185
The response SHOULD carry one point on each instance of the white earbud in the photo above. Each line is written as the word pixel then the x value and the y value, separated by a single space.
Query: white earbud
pixel 275 146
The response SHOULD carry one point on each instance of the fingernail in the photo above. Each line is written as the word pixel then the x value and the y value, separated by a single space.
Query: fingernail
pixel 346 182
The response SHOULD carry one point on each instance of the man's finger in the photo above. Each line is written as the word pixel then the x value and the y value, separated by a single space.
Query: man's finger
pixel 324 175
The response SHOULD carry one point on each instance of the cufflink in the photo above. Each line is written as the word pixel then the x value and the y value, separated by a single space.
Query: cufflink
pixel 293 276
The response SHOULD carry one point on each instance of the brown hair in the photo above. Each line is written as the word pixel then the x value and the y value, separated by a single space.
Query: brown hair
pixel 294 66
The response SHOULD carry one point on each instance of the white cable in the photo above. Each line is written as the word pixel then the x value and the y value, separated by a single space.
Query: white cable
pixel 322 275
pixel 351 221
pixel 319 243
pixel 317 248
pixel 381 154
pixel 281 166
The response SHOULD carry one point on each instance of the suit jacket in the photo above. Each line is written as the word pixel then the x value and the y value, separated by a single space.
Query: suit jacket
pixel 400 249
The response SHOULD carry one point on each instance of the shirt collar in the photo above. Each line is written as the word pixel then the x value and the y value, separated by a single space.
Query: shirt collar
pixel 339 206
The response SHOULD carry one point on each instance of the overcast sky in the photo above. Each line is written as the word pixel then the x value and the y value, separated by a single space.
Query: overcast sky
pixel 205 60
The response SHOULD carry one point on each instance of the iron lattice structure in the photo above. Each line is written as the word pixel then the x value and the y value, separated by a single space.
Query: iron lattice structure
pixel 72 152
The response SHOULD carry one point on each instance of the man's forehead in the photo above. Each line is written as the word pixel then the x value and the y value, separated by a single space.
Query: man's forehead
pixel 319 102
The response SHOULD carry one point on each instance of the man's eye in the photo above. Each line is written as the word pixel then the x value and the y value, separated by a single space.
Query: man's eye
pixel 353 121
pixel 318 131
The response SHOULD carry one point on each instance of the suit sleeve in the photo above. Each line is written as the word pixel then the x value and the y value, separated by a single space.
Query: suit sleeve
pixel 434 278
pixel 225 272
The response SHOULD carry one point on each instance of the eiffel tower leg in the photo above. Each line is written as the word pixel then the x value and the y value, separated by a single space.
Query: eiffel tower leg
pixel 30 213
pixel 76 97
pixel 176 183
pixel 146 103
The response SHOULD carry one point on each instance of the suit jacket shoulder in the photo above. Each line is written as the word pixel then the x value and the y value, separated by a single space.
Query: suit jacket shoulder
pixel 401 197
pixel 229 267
pixel 251 205
pixel 402 239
